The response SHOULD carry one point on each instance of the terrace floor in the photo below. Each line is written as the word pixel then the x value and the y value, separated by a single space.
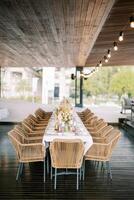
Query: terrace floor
pixel 110 113
pixel 95 186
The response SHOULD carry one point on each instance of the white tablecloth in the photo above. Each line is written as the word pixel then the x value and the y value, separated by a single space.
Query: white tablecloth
pixel 81 133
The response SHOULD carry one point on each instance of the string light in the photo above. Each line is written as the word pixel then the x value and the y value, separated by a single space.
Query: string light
pixel 115 46
pixel 100 64
pixel 106 59
pixel 120 38
pixel 132 21
pixel 97 69
pixel 109 53
pixel 121 35
pixel 87 75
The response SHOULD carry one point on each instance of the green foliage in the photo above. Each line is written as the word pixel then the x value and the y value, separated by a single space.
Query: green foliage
pixel 110 81
pixel 123 79
pixel 99 82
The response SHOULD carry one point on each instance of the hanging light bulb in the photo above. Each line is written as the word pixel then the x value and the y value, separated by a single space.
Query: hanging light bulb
pixel 106 59
pixel 115 46
pixel 100 64
pixel 109 53
pixel 96 68
pixel 73 76
pixel 121 35
pixel 132 21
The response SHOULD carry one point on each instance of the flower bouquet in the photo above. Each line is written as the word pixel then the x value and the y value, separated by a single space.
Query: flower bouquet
pixel 64 116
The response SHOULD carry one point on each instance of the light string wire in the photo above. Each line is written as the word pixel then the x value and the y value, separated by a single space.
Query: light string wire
pixel 100 63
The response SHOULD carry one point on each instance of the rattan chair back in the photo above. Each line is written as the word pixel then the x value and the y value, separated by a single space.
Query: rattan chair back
pixel 66 153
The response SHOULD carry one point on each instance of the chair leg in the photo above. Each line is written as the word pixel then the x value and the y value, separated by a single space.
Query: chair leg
pixel 109 169
pixel 47 163
pixel 77 179
pixel 55 179
pixel 97 164
pixel 80 173
pixel 131 115
pixel 44 170
pixel 18 171
pixel 51 172
pixel 102 165
pixel 83 169
pixel 21 170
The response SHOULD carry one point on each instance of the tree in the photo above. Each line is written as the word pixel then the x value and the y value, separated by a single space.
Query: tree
pixel 99 82
pixel 124 78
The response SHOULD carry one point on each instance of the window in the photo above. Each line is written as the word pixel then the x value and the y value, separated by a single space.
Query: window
pixel 56 91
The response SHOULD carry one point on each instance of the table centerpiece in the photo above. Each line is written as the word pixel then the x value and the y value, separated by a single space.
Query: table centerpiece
pixel 64 121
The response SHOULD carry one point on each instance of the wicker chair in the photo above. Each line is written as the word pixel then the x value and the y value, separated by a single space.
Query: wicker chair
pixel 103 133
pixel 42 115
pixel 96 129
pixel 103 151
pixel 32 138
pixel 26 152
pixel 66 154
pixel 31 130
pixel 83 114
pixel 88 117
pixel 36 121
pixel 93 122
pixel 33 126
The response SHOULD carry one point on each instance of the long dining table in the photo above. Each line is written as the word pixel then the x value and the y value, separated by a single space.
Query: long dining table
pixel 80 133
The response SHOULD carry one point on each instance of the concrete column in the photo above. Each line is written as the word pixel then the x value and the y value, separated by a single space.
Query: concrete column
pixel 62 84
pixel 48 84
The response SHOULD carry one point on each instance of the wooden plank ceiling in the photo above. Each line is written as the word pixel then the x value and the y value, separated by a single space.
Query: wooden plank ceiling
pixel 117 21
pixel 61 33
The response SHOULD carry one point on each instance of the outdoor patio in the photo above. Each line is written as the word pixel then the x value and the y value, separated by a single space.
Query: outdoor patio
pixel 67 99
pixel 110 113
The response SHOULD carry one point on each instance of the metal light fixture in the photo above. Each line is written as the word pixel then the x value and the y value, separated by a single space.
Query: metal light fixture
pixel 100 64
pixel 121 35
pixel 132 21
pixel 106 59
pixel 109 53
pixel 115 46
pixel 73 76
